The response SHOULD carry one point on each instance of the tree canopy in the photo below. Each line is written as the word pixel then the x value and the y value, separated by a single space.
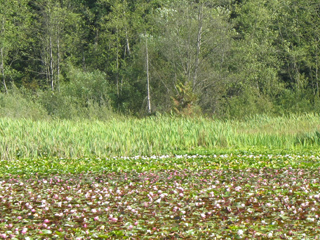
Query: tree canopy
pixel 224 58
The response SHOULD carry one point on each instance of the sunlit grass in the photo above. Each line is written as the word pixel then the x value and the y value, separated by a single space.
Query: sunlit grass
pixel 153 136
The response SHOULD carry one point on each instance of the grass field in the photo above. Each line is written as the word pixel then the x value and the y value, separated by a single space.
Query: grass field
pixel 155 136
pixel 160 178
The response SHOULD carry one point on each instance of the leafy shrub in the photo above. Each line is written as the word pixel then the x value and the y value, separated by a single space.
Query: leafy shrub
pixel 87 86
pixel 19 104
pixel 83 95
pixel 249 103
pixel 59 105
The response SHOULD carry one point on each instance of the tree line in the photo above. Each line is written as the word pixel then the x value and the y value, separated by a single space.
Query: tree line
pixel 225 58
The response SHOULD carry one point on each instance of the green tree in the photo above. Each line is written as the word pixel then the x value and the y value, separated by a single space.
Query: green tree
pixel 115 39
pixel 299 42
pixel 118 29
pixel 192 43
pixel 56 34
pixel 255 62
pixel 14 22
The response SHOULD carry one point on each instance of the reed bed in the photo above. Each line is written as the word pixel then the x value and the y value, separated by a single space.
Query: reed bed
pixel 24 138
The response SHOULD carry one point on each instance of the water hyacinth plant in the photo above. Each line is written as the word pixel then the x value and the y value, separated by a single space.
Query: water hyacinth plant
pixel 189 200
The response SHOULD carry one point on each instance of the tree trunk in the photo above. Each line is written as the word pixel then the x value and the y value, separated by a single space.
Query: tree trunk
pixel 2 71
pixel 58 63
pixel 51 64
pixel 117 64
pixel 127 43
pixel 200 16
pixel 317 79
pixel 2 61
pixel 148 80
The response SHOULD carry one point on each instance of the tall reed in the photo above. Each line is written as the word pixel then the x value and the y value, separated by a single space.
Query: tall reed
pixel 25 138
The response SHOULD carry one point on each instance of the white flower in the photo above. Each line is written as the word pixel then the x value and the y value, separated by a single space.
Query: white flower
pixel 240 232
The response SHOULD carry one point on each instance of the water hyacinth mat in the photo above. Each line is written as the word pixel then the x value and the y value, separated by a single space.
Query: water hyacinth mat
pixel 200 201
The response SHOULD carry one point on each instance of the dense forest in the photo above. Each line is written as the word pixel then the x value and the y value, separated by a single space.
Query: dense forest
pixel 96 58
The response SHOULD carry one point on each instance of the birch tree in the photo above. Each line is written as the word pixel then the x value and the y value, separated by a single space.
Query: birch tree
pixel 58 26
pixel 194 45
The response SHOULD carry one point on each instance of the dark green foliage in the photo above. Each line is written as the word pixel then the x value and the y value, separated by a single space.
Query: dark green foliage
pixel 308 139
